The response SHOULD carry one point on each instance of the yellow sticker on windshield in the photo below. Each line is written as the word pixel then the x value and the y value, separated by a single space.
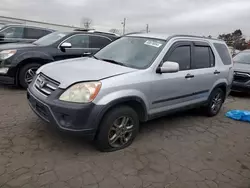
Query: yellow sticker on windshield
pixel 153 43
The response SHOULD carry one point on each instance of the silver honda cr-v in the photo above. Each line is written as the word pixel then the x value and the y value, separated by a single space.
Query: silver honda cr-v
pixel 134 79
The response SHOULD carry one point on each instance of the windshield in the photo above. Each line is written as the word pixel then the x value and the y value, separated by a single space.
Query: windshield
pixel 132 52
pixel 2 27
pixel 50 39
pixel 242 57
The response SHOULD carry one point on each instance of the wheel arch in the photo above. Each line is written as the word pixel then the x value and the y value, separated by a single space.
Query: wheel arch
pixel 134 102
pixel 223 86
pixel 24 62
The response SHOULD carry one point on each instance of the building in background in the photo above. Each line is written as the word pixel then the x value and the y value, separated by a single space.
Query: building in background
pixel 9 20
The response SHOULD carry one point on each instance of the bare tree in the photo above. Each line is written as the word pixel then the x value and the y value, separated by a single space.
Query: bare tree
pixel 86 23
pixel 116 31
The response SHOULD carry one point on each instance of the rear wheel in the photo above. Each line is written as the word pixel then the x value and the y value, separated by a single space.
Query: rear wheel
pixel 118 129
pixel 27 73
pixel 215 102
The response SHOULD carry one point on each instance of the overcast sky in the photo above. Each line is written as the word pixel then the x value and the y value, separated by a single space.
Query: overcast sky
pixel 202 17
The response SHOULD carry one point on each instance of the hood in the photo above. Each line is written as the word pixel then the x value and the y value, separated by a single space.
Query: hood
pixel 242 67
pixel 12 46
pixel 71 71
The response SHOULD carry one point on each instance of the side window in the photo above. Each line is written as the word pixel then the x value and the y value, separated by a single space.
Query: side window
pixel 181 55
pixel 79 41
pixel 33 33
pixel 212 58
pixel 224 53
pixel 46 32
pixel 203 57
pixel 13 32
pixel 98 42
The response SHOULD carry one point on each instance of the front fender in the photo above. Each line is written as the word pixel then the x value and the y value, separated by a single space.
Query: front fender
pixel 28 55
pixel 122 94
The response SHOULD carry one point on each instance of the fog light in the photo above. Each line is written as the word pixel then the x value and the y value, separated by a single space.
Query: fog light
pixel 3 70
pixel 65 121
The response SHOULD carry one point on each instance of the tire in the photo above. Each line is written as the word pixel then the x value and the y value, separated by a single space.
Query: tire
pixel 111 126
pixel 23 73
pixel 210 109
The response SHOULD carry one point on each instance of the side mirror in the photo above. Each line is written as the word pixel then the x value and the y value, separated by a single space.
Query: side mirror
pixel 168 67
pixel 65 45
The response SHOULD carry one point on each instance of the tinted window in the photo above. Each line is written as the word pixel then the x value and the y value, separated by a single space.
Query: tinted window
pixel 46 32
pixel 12 32
pixel 242 57
pixel 98 42
pixel 33 33
pixel 212 58
pixel 201 57
pixel 79 41
pixel 50 38
pixel 182 56
pixel 224 53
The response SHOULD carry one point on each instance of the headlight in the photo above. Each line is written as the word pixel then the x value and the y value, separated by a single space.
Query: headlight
pixel 82 92
pixel 5 54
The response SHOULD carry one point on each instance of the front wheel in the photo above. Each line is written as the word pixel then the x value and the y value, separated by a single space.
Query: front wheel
pixel 118 129
pixel 215 102
pixel 27 73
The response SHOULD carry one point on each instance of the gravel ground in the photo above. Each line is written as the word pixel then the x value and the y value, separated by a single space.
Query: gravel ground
pixel 181 151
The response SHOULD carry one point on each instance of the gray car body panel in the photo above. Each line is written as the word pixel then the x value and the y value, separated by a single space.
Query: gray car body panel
pixel 82 69
pixel 159 92
pixel 242 67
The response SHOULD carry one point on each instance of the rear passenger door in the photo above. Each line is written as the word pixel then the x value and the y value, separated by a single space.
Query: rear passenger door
pixel 203 69
pixel 226 63
pixel 98 42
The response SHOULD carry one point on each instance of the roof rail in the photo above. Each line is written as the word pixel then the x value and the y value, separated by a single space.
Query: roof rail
pixel 96 31
pixel 82 29
pixel 104 32
pixel 132 33
pixel 193 36
pixel 25 25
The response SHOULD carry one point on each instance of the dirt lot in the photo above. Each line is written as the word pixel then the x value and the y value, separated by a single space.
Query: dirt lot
pixel 182 151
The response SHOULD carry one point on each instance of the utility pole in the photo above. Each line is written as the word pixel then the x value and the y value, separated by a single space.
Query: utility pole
pixel 147 28
pixel 124 26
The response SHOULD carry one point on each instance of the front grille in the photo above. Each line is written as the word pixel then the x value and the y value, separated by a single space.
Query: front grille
pixel 241 77
pixel 45 85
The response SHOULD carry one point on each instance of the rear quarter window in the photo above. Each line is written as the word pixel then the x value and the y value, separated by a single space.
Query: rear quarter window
pixel 223 51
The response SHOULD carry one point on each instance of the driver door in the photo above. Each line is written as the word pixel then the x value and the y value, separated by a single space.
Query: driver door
pixel 173 90
pixel 80 47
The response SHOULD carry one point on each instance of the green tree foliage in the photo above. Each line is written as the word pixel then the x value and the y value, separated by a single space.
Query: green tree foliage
pixel 235 39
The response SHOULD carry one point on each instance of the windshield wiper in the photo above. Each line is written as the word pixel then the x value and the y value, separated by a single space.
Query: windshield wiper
pixel 114 62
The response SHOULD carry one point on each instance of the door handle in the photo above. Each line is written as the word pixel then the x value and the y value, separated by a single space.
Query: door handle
pixel 87 53
pixel 216 72
pixel 189 76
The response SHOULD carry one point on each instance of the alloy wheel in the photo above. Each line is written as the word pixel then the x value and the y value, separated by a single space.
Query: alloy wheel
pixel 29 75
pixel 121 132
pixel 216 103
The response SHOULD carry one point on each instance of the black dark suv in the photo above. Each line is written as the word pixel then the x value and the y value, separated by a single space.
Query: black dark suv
pixel 19 62
pixel 22 33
